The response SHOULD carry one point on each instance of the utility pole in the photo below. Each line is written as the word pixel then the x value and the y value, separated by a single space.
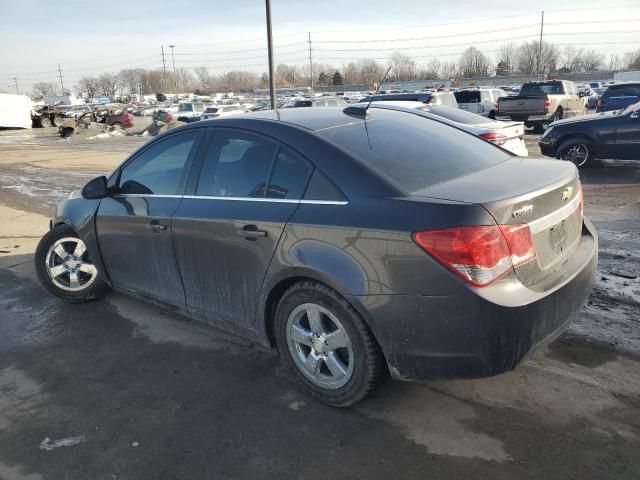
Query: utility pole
pixel 164 69
pixel 310 64
pixel 173 61
pixel 539 62
pixel 15 79
pixel 272 84
pixel 60 74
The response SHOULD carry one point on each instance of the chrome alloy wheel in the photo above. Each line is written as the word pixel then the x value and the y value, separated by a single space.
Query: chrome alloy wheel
pixel 68 265
pixel 320 346
pixel 578 154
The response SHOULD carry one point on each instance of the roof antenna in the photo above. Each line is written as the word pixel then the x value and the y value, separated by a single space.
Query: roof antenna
pixel 379 86
pixel 363 112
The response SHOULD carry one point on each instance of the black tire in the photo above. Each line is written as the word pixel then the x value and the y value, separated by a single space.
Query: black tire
pixel 492 115
pixel 58 120
pixel 118 125
pixel 45 122
pixel 93 291
pixel 538 128
pixel 368 361
pixel 572 150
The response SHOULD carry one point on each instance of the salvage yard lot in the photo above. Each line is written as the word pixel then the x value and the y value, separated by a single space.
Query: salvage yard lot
pixel 137 392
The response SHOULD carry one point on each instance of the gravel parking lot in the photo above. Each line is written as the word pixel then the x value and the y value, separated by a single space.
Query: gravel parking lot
pixel 118 389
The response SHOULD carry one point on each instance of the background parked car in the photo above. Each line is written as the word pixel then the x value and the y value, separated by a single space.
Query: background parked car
pixel 189 112
pixel 619 96
pixel 221 111
pixel 482 101
pixel 432 97
pixel 319 102
pixel 507 135
pixel 613 134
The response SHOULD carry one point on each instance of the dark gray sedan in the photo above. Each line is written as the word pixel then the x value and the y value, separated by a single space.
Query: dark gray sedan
pixel 356 243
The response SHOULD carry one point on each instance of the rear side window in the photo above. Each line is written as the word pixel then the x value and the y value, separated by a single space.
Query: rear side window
pixel 289 177
pixel 414 152
pixel 622 91
pixel 236 165
pixel 322 189
pixel 467 96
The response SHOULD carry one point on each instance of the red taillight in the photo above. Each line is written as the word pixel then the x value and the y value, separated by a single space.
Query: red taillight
pixel 494 137
pixel 598 104
pixel 547 104
pixel 169 118
pixel 479 255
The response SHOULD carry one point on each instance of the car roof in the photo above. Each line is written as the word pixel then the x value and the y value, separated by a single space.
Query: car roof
pixel 312 119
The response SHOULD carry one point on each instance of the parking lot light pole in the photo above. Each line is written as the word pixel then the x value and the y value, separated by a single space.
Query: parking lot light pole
pixel 272 85
pixel 173 62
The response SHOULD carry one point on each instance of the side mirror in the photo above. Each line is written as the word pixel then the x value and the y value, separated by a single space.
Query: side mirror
pixel 96 188
pixel 635 116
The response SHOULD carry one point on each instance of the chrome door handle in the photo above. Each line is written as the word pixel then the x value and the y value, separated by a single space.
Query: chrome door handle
pixel 251 231
pixel 157 226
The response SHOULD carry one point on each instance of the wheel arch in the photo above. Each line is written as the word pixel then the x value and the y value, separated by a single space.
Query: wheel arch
pixel 572 135
pixel 268 301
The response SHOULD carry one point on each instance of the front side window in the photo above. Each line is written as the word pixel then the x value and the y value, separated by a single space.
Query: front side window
pixel 236 165
pixel 161 169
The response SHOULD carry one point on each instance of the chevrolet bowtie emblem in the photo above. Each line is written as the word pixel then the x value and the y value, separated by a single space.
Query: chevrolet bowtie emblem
pixel 567 193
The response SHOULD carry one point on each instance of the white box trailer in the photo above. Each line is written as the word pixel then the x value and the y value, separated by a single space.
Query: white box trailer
pixel 15 111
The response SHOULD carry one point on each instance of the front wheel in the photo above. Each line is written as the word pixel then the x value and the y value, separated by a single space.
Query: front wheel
pixel 45 122
pixel 327 345
pixel 64 267
pixel 577 150
pixel 58 120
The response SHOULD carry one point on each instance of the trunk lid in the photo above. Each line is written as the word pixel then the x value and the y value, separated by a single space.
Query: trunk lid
pixel 544 194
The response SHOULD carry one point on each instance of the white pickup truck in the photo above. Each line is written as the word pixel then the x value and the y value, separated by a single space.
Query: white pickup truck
pixel 541 103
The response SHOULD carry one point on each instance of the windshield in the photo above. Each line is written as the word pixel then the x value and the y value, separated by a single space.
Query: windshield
pixel 211 110
pixel 468 96
pixel 185 107
pixel 540 89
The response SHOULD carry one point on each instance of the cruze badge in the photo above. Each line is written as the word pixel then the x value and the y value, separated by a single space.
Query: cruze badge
pixel 567 194
pixel 522 211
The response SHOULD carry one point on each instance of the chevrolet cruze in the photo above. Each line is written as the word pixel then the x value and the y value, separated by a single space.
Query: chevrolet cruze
pixel 357 242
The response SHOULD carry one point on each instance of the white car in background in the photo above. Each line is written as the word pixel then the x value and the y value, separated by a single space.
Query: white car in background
pixel 218 111
pixel 507 135
pixel 481 100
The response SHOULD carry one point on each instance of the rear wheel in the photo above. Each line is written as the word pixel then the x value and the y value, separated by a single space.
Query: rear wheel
pixel 492 115
pixel 64 266
pixel 576 150
pixel 45 122
pixel 58 120
pixel 327 345
pixel 118 126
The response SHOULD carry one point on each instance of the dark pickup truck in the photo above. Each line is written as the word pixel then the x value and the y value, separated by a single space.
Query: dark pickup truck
pixel 541 103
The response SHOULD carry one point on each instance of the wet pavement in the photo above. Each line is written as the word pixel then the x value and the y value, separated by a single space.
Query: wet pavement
pixel 119 389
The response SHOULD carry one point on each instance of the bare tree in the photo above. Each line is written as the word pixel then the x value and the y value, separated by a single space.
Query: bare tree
pixel 44 88
pixel 130 79
pixel 507 57
pixel 473 63
pixel 402 67
pixel 286 75
pixel 449 70
pixel 204 77
pixel 615 62
pixel 89 85
pixel 107 83
pixel 370 71
pixel 632 59
pixel 350 73
pixel 527 57
pixel 431 71
pixel 590 61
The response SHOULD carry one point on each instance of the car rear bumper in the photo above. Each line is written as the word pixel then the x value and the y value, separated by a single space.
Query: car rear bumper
pixel 476 333
pixel 523 118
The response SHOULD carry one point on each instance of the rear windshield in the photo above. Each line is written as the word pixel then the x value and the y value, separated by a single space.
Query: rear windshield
pixel 542 88
pixel 622 91
pixel 468 96
pixel 185 107
pixel 456 115
pixel 414 152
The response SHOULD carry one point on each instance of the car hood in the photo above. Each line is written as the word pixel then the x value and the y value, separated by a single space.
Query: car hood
pixel 585 118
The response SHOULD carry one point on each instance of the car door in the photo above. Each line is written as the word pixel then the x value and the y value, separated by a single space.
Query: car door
pixel 227 227
pixel 134 224
pixel 628 136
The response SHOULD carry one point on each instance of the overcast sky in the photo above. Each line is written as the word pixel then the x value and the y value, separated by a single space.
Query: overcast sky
pixel 88 37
